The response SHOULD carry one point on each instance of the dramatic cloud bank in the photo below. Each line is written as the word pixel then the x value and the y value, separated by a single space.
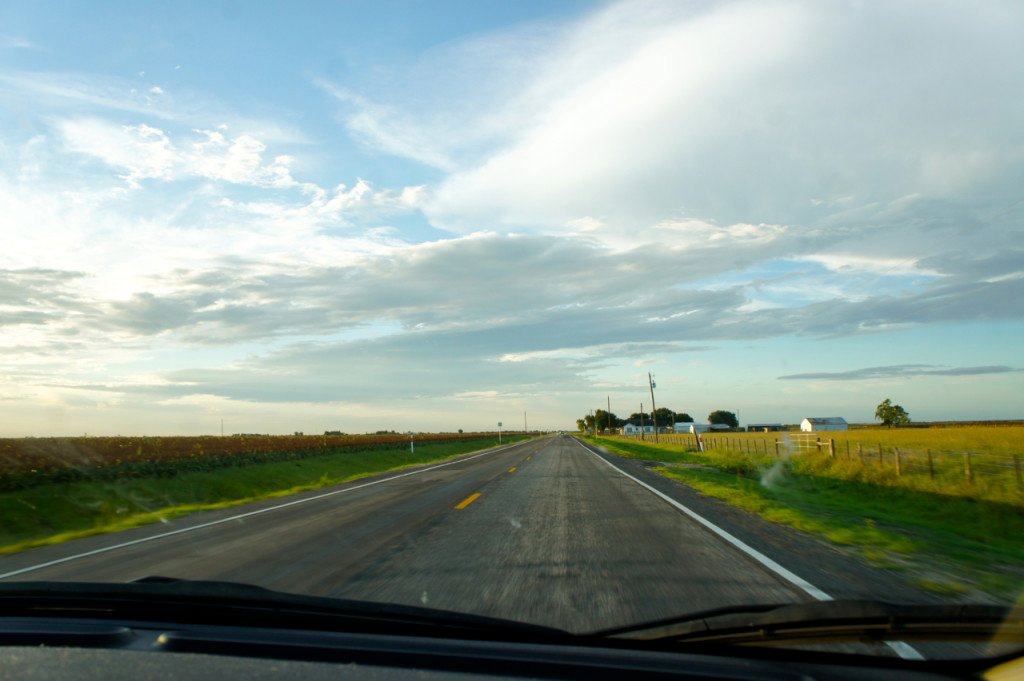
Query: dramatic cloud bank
pixel 526 217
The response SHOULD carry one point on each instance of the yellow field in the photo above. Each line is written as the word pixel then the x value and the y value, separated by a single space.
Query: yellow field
pixel 973 461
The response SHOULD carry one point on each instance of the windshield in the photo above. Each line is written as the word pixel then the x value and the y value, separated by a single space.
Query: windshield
pixel 580 314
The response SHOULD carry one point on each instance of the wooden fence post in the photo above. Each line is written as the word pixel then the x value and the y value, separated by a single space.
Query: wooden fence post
pixel 817 442
pixel 967 468
pixel 831 448
pixel 860 452
pixel 899 464
pixel 776 448
pixel 931 466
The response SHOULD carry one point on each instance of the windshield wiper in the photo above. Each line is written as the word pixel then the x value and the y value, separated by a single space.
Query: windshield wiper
pixel 834 621
pixel 213 602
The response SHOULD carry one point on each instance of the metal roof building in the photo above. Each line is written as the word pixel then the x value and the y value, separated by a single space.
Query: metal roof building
pixel 816 423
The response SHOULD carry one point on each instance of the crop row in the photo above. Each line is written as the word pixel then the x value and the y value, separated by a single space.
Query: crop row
pixel 34 461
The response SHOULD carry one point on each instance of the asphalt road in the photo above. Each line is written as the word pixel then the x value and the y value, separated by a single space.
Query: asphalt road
pixel 544 531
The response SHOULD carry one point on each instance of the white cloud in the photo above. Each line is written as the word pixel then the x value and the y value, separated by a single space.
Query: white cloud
pixel 16 43
pixel 782 112
pixel 69 94
pixel 141 150
pixel 375 124
pixel 238 160
pixel 850 263
pixel 147 152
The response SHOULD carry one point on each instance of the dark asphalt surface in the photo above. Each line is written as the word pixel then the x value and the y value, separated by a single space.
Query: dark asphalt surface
pixel 555 537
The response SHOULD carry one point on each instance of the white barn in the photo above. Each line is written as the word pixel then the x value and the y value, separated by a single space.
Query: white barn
pixel 813 424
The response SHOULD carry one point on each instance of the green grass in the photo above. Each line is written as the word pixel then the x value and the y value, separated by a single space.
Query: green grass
pixel 952 544
pixel 984 462
pixel 52 514
pixel 1000 441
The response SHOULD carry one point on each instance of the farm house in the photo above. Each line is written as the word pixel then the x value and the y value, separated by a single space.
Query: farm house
pixel 813 424
pixel 631 429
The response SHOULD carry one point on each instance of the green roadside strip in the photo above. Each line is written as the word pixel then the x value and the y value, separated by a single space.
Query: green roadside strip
pixel 52 514
pixel 947 545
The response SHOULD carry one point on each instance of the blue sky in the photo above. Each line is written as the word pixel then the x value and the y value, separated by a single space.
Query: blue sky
pixel 440 215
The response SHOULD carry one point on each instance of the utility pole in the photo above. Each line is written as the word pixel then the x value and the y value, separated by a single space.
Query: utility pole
pixel 609 414
pixel 525 429
pixel 641 420
pixel 654 417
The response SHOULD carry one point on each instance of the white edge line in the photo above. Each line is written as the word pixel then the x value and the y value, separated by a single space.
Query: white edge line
pixel 902 649
pixel 163 535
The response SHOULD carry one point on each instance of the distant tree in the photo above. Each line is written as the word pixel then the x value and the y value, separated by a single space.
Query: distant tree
pixel 605 420
pixel 664 416
pixel 684 418
pixel 723 417
pixel 581 425
pixel 891 414
pixel 460 431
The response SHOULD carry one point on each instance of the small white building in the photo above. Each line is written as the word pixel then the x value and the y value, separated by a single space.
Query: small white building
pixel 698 428
pixel 813 424
pixel 681 427
pixel 631 429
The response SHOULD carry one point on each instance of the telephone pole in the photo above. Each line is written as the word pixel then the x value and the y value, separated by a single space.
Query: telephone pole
pixel 654 417
pixel 609 417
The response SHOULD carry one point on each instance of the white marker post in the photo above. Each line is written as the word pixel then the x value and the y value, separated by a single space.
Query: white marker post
pixel 412 445
pixel 499 432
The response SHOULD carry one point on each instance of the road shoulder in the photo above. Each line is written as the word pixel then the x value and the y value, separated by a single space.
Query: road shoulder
pixel 836 570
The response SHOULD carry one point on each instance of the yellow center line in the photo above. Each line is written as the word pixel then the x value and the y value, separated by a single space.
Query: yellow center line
pixel 468 500
pixel 512 470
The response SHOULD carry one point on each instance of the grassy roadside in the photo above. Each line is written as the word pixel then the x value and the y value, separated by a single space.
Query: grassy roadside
pixel 56 513
pixel 949 545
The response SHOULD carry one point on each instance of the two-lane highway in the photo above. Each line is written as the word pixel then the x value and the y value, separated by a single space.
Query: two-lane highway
pixel 544 532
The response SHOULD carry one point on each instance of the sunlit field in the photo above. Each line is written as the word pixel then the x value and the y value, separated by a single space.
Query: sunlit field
pixel 982 462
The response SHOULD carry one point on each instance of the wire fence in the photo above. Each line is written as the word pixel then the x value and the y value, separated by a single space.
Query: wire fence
pixel 949 466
